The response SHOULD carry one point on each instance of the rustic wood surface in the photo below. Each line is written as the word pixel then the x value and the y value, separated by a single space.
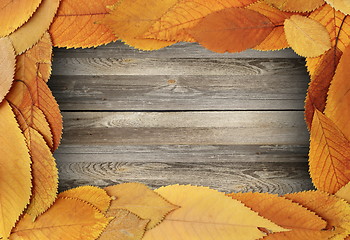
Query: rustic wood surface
pixel 183 115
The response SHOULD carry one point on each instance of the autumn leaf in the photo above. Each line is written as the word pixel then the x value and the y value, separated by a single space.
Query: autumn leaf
pixel 93 195
pixel 306 36
pixel 344 192
pixel 44 172
pixel 76 24
pixel 276 40
pixel 7 66
pixel 303 223
pixel 32 31
pixel 68 219
pixel 337 107
pixel 140 200
pixel 15 176
pixel 130 19
pixel 14 14
pixel 320 81
pixel 332 209
pixel 124 226
pixel 341 5
pixel 232 30
pixel 173 25
pixel 207 214
pixel 296 5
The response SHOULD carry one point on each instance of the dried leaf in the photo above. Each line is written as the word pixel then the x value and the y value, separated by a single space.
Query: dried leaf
pixel 306 36
pixel 124 226
pixel 15 13
pixel 337 107
pixel 130 19
pixel 303 223
pixel 316 96
pixel 7 66
pixel 15 176
pixel 344 192
pixel 332 209
pixel 76 24
pixel 173 25
pixel 140 200
pixel 32 31
pixel 296 5
pixel 207 214
pixel 68 219
pixel 93 195
pixel 329 156
pixel 341 5
pixel 232 30
pixel 44 171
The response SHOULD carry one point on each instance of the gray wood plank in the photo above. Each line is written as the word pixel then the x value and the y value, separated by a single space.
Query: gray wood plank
pixel 185 92
pixel 278 178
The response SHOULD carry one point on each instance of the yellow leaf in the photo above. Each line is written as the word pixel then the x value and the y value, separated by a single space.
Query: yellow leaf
pixel 296 5
pixel 93 195
pixel 31 32
pixel 306 36
pixel 140 200
pixel 76 24
pixel 15 13
pixel 68 219
pixel 337 107
pixel 7 66
pixel 15 176
pixel 232 30
pixel 44 171
pixel 329 155
pixel 332 209
pixel 341 5
pixel 173 25
pixel 130 19
pixel 206 214
pixel 344 192
pixel 124 226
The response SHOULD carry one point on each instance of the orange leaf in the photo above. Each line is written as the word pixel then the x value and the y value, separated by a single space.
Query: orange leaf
pixel 296 5
pixel 332 209
pixel 337 107
pixel 344 192
pixel 15 176
pixel 93 195
pixel 341 5
pixel 68 219
pixel 329 156
pixel 44 171
pixel 320 81
pixel 7 66
pixel 173 25
pixel 76 24
pixel 130 19
pixel 15 13
pixel 32 31
pixel 232 30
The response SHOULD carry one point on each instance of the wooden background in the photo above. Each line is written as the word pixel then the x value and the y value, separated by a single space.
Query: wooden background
pixel 183 115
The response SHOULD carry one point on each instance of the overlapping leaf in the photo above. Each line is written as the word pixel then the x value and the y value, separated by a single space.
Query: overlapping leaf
pixel 296 5
pixel 341 5
pixel 344 192
pixel 7 66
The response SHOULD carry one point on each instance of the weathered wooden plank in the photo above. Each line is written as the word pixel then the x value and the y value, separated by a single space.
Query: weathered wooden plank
pixel 186 128
pixel 179 50
pixel 278 178
pixel 185 92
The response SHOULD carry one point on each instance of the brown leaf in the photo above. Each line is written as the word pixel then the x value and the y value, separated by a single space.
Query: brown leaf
pixel 124 226
pixel 76 24
pixel 15 13
pixel 232 30
pixel 93 195
pixel 140 200
pixel 296 5
pixel 329 156
pixel 15 176
pixel 306 36
pixel 184 15
pixel 7 66
pixel 32 31
pixel 337 107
